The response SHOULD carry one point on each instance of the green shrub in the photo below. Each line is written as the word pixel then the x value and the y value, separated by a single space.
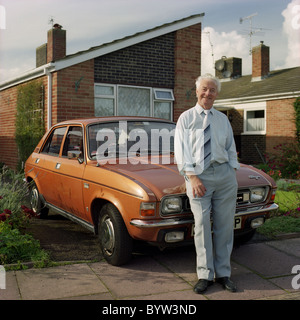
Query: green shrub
pixel 284 162
pixel 16 247
pixel 30 119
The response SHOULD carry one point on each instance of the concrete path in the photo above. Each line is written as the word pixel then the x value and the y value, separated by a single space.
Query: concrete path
pixel 261 271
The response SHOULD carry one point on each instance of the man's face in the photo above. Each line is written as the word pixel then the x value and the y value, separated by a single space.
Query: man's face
pixel 206 93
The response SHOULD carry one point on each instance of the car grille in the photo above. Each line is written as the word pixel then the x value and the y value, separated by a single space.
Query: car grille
pixel 243 199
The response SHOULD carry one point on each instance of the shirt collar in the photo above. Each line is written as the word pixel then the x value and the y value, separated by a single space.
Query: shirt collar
pixel 199 109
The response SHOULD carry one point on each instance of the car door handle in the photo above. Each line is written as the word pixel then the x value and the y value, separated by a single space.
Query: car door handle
pixel 57 166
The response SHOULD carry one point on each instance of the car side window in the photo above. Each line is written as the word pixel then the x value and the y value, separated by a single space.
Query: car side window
pixel 53 144
pixel 74 141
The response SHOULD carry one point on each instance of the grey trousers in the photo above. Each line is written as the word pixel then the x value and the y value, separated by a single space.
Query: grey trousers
pixel 214 251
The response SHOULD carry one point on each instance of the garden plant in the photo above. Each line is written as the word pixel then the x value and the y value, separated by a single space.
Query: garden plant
pixel 16 246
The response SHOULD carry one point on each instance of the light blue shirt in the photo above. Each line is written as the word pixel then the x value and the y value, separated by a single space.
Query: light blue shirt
pixel 189 140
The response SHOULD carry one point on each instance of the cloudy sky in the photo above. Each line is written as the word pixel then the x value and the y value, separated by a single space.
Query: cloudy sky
pixel 24 25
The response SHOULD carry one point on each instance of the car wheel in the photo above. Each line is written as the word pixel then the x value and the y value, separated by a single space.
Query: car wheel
pixel 115 242
pixel 36 202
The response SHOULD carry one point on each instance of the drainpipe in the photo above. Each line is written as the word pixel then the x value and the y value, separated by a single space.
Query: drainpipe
pixel 49 102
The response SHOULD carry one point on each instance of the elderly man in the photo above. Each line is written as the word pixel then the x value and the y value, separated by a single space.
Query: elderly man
pixel 206 155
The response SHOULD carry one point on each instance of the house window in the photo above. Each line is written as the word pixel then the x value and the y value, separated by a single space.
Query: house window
pixel 119 100
pixel 163 103
pixel 104 100
pixel 255 122
pixel 134 101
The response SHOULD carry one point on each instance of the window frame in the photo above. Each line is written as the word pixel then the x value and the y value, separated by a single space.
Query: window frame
pixel 113 96
pixel 66 137
pixel 50 136
pixel 260 106
pixel 156 90
pixel 152 96
pixel 135 87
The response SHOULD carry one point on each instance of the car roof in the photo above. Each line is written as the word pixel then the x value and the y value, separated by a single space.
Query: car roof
pixel 87 121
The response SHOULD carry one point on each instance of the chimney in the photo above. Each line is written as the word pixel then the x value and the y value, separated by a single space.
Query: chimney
pixel 260 62
pixel 54 49
pixel 41 55
pixel 56 46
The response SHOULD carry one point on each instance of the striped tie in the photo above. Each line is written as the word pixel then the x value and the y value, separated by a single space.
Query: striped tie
pixel 207 144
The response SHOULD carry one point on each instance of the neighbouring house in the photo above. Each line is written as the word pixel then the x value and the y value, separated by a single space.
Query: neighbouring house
pixel 259 106
pixel 146 74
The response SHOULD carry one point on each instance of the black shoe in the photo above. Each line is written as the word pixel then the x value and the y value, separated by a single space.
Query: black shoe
pixel 201 285
pixel 227 284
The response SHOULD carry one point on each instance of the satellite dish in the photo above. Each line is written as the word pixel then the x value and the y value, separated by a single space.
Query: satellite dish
pixel 226 74
pixel 220 64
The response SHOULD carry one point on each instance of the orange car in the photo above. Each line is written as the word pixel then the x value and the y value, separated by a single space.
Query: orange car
pixel 116 176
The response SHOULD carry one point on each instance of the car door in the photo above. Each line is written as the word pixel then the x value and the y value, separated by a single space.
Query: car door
pixel 71 167
pixel 48 176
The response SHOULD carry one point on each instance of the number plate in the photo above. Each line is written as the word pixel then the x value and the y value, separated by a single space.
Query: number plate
pixel 237 225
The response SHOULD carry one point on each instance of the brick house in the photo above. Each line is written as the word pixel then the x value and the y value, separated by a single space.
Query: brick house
pixel 147 74
pixel 260 105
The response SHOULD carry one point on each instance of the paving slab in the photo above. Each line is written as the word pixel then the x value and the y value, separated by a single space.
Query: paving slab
pixel 289 246
pixel 143 276
pixel 249 287
pixel 59 282
pixel 264 259
pixel 286 296
pixel 182 263
pixel 12 291
pixel 285 283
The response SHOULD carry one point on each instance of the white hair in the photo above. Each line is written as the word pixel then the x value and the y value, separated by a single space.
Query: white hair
pixel 208 76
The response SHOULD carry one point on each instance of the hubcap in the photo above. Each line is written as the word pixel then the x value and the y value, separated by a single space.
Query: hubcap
pixel 107 235
pixel 34 199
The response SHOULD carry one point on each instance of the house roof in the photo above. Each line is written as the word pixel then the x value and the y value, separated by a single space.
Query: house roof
pixel 103 49
pixel 128 41
pixel 283 83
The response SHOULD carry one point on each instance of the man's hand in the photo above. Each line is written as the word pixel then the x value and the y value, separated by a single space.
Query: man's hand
pixel 197 186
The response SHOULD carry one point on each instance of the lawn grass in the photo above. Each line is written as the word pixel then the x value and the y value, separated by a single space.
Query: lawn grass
pixel 287 200
pixel 287 218
pixel 280 225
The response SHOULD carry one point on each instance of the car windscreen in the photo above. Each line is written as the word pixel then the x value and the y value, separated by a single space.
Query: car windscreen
pixel 130 138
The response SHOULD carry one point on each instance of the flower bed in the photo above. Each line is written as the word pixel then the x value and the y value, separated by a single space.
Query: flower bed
pixel 16 246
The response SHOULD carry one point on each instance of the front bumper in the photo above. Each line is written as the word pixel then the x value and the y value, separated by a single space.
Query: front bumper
pixel 177 222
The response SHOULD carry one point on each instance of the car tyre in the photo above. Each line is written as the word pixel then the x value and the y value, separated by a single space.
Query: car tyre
pixel 36 202
pixel 115 242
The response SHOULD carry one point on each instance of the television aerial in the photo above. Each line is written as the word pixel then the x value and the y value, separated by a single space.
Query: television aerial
pixel 211 46
pixel 252 30
pixel 51 21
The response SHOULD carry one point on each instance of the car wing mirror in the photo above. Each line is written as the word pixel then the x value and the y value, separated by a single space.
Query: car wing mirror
pixel 75 154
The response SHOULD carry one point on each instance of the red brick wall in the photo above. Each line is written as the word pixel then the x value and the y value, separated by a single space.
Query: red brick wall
pixel 281 127
pixel 187 67
pixel 73 92
pixel 8 111
pixel 8 145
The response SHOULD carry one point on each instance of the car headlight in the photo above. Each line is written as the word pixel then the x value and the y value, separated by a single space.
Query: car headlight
pixel 257 194
pixel 171 205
